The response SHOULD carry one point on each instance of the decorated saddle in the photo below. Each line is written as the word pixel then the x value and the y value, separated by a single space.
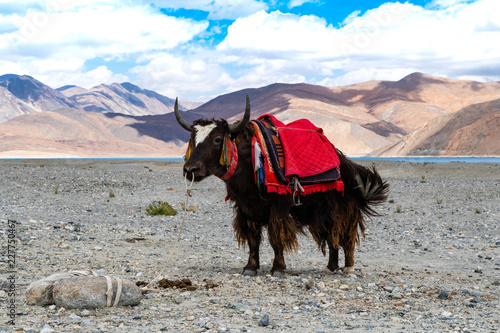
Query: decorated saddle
pixel 295 158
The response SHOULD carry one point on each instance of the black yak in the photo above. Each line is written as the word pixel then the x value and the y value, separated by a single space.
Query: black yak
pixel 334 218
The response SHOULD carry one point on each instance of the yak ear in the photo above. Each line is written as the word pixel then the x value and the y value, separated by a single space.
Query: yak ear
pixel 187 126
pixel 233 128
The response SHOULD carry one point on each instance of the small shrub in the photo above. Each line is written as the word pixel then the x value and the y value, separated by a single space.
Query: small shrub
pixel 161 208
pixel 391 201
pixel 423 179
pixel 439 200
pixel 478 211
pixel 111 193
pixel 398 209
pixel 56 189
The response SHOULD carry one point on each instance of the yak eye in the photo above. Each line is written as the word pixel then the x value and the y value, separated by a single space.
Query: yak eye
pixel 218 140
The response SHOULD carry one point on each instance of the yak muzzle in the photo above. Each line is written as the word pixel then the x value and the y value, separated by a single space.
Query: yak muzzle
pixel 194 170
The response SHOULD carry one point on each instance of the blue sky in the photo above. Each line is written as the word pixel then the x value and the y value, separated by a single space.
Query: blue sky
pixel 198 49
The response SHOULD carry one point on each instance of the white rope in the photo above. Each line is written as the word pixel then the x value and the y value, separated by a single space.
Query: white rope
pixel 109 293
pixel 188 194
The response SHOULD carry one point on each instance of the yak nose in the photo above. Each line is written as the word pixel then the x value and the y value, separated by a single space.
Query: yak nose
pixel 191 169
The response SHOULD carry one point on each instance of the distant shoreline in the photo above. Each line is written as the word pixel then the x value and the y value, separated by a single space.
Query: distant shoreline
pixel 414 159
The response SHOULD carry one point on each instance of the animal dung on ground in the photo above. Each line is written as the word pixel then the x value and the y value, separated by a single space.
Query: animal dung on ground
pixel 181 284
pixel 185 283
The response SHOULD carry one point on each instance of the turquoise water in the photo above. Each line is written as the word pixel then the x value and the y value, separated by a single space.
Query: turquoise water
pixel 434 159
pixel 422 159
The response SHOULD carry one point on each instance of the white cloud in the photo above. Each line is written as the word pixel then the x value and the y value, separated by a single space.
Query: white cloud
pixel 298 3
pixel 105 30
pixel 448 3
pixel 55 41
pixel 193 77
pixel 351 17
pixel 52 40
pixel 387 42
pixel 219 9
pixel 265 74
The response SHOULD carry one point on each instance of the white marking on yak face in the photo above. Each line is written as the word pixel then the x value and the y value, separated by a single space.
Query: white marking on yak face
pixel 202 132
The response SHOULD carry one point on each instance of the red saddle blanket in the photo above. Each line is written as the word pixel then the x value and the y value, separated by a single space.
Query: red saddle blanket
pixel 307 151
pixel 298 149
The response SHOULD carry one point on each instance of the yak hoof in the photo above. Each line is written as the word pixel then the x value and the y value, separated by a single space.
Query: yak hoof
pixel 328 271
pixel 332 269
pixel 349 270
pixel 278 274
pixel 249 272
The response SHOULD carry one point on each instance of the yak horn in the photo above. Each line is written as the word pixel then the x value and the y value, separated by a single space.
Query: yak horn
pixel 187 126
pixel 233 128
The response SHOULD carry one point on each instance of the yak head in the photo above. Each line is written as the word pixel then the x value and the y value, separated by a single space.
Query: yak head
pixel 211 150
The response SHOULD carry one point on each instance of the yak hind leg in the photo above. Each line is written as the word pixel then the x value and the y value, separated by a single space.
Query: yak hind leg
pixel 349 257
pixel 333 256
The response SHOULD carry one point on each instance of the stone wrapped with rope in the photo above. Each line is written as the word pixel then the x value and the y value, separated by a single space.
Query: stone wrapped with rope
pixel 83 290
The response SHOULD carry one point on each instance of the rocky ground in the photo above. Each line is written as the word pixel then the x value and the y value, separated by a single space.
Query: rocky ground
pixel 430 264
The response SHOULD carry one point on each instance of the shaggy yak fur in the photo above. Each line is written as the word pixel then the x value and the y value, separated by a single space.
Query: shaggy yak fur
pixel 333 218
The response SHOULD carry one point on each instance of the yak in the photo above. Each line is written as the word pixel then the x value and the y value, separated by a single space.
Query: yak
pixel 333 218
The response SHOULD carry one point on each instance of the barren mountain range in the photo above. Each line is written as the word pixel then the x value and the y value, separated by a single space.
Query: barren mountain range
pixel 417 115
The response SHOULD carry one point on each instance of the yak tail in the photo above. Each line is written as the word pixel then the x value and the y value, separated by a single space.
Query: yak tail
pixel 373 190
pixel 365 184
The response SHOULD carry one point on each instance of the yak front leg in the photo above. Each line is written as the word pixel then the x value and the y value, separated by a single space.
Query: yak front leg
pixel 253 239
pixel 279 266
pixel 248 232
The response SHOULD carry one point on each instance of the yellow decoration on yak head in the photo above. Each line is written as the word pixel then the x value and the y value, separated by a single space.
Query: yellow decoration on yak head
pixel 188 152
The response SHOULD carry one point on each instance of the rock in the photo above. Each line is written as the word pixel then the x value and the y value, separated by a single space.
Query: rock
pixel 443 294
pixel 496 283
pixel 85 313
pixel 47 329
pixel 74 316
pixel 310 284
pixel 89 292
pixel 40 292
pixel 264 321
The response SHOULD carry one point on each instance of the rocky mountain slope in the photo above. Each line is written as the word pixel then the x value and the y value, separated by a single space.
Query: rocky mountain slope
pixel 365 118
pixel 22 94
pixel 473 130
pixel 124 98
pixel 417 115
pixel 77 133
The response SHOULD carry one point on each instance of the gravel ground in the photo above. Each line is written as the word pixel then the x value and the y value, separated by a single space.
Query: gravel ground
pixel 430 264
